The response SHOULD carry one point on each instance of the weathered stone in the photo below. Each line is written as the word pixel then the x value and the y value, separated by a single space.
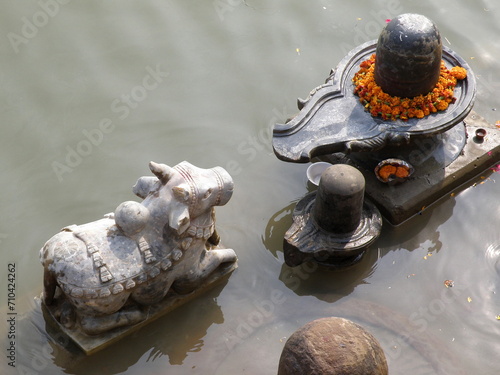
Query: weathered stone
pixel 112 271
pixel 442 164
pixel 332 346
pixel 333 225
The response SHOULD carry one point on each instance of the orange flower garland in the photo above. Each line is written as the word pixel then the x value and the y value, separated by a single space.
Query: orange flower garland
pixel 378 103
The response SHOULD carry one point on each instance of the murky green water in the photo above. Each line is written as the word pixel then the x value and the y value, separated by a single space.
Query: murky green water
pixel 92 91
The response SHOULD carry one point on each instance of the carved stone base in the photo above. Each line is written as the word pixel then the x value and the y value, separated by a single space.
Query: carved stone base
pixel 92 344
pixel 333 120
pixel 306 241
pixel 433 178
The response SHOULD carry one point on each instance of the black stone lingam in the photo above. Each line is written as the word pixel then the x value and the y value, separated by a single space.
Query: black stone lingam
pixel 334 225
pixel 333 126
pixel 409 53
pixel 339 200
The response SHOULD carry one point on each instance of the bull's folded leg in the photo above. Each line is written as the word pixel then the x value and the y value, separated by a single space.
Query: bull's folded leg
pixel 67 315
pixel 49 286
pixel 94 325
pixel 210 261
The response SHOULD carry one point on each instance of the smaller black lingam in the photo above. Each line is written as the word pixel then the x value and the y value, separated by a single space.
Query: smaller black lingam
pixel 335 224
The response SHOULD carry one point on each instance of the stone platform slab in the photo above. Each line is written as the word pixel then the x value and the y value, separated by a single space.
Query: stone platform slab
pixel 91 344
pixel 431 180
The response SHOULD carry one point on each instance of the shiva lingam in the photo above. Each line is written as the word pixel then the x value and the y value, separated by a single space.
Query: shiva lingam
pixel 107 278
pixel 397 109
pixel 332 119
pixel 334 225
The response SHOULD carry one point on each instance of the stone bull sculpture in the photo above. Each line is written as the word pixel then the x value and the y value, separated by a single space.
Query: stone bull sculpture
pixel 109 271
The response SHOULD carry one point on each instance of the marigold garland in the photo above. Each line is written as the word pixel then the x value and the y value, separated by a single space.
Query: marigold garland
pixel 379 103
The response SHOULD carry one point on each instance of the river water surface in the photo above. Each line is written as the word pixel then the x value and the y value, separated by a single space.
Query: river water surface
pixel 92 91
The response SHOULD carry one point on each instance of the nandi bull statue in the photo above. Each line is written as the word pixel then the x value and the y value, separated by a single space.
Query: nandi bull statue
pixel 109 272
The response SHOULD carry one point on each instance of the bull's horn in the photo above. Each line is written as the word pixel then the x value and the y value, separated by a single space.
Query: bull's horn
pixel 162 171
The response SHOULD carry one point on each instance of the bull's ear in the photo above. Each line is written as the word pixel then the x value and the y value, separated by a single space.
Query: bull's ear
pixel 181 193
pixel 162 171
pixel 144 186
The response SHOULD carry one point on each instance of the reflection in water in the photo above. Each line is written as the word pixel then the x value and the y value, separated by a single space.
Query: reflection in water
pixel 63 81
pixel 175 335
pixel 276 228
pixel 184 333
pixel 309 278
pixel 403 334
pixel 492 257
pixel 415 234
pixel 410 351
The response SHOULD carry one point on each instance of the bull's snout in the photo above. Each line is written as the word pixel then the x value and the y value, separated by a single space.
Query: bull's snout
pixel 179 219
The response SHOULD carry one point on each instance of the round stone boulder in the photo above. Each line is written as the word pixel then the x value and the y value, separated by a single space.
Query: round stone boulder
pixel 332 346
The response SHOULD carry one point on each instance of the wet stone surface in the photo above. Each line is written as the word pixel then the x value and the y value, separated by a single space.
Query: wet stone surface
pixel 117 271
pixel 409 52
pixel 332 346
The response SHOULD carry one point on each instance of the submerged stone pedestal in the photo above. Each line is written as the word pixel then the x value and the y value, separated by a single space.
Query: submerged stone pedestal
pixel 334 225
pixel 442 164
pixel 91 344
